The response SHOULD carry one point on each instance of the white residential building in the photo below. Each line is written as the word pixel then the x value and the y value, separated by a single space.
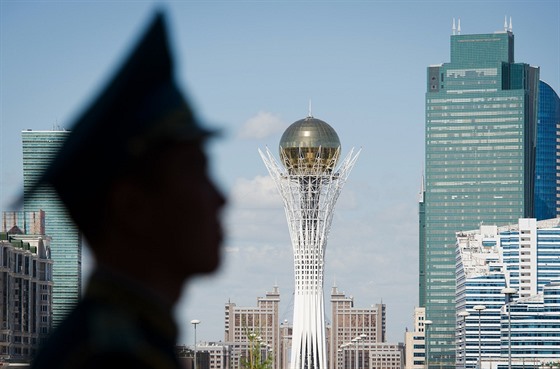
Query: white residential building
pixel 526 258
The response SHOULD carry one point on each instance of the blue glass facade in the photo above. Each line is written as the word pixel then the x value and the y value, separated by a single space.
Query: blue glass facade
pixel 39 148
pixel 546 177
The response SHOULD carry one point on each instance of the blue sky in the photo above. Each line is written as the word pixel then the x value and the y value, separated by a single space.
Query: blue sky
pixel 251 67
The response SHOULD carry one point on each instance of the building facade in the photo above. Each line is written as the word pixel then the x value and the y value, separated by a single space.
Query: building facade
pixel 285 345
pixel 523 256
pixel 547 177
pixel 415 349
pixel 39 148
pixel 348 323
pixel 219 354
pixel 366 355
pixel 25 291
pixel 262 320
pixel 481 116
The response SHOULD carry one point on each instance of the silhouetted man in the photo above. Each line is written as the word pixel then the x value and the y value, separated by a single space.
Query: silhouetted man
pixel 133 176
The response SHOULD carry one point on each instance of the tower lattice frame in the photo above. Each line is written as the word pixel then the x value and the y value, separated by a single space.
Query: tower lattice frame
pixel 309 190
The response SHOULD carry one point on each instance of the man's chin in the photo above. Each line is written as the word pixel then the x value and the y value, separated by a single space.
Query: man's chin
pixel 207 266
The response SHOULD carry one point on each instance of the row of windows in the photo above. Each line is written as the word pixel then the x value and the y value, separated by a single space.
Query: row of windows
pixel 454 100
pixel 430 122
pixel 472 183
pixel 481 149
pixel 474 106
pixel 472 175
pixel 472 72
pixel 478 113
pixel 466 199
pixel 455 134
pixel 476 160
pixel 473 142
pixel 477 131
pixel 469 191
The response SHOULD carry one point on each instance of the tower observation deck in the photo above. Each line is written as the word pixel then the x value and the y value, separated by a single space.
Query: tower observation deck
pixel 309 182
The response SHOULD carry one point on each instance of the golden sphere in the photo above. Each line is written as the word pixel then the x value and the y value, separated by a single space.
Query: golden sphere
pixel 309 146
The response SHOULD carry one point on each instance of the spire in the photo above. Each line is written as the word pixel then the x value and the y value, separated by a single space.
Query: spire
pixel 453 29
pixel 505 23
pixel 459 26
pixel 309 114
pixel 510 26
pixel 422 189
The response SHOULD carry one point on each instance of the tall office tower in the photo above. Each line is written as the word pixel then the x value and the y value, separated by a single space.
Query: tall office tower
pixel 39 148
pixel 25 289
pixel 353 328
pixel 309 183
pixel 547 177
pixel 525 257
pixel 481 115
pixel 261 320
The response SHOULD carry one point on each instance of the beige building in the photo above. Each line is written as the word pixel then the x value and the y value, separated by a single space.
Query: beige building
pixel 285 345
pixel 386 356
pixel 218 355
pixel 25 286
pixel 262 320
pixel 355 338
pixel 415 351
pixel 353 330
pixel 366 355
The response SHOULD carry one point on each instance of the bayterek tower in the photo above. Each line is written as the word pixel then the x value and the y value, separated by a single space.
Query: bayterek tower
pixel 309 182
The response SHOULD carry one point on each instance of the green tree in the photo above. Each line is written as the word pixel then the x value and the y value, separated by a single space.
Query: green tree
pixel 255 358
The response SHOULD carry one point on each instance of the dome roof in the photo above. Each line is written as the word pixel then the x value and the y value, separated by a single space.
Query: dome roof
pixel 309 146
pixel 310 132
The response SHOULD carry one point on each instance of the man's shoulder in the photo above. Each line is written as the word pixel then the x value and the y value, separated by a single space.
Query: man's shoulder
pixel 97 335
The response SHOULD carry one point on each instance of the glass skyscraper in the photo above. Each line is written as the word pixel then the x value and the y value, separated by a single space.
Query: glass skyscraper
pixel 39 148
pixel 481 115
pixel 547 177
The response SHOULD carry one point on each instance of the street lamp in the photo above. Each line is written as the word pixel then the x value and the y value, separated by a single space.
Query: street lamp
pixel 363 336
pixel 508 292
pixel 427 324
pixel 464 314
pixel 342 349
pixel 195 322
pixel 356 341
pixel 479 309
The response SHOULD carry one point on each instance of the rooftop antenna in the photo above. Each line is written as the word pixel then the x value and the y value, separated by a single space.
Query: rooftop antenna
pixel 453 29
pixel 510 26
pixel 309 115
pixel 422 190
pixel 459 26
pixel 505 23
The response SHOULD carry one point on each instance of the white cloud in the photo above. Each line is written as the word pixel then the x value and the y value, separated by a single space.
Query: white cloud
pixel 259 192
pixel 262 125
pixel 256 214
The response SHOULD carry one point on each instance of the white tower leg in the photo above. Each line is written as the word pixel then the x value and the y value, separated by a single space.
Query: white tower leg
pixel 309 201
